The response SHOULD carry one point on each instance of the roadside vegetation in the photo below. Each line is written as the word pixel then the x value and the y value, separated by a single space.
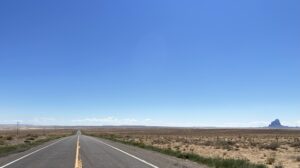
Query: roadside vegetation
pixel 209 161
pixel 11 143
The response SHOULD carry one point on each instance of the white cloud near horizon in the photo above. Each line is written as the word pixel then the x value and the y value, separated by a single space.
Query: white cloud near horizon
pixel 111 121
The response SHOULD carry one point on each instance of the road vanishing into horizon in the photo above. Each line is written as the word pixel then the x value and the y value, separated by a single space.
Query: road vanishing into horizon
pixel 79 151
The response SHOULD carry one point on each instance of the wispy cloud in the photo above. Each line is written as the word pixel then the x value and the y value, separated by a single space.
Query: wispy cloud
pixel 42 120
pixel 245 124
pixel 111 121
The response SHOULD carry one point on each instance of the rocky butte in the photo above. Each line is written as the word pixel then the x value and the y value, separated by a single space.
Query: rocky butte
pixel 276 124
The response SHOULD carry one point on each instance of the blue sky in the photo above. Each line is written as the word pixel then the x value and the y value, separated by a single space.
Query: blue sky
pixel 158 62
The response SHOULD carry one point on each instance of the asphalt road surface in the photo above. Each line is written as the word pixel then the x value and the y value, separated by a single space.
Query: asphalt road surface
pixel 88 152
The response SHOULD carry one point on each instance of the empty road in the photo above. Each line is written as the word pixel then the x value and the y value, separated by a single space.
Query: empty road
pixel 84 151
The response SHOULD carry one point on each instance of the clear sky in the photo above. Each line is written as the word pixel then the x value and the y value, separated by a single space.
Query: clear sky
pixel 150 62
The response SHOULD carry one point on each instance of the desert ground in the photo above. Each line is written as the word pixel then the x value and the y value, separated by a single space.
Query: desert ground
pixel 273 147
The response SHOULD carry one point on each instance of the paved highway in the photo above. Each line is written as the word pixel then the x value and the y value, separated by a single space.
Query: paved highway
pixel 83 151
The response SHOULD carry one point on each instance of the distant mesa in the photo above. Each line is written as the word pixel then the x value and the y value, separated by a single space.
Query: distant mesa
pixel 276 124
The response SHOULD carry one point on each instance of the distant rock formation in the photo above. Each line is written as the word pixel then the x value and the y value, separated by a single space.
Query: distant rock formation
pixel 276 124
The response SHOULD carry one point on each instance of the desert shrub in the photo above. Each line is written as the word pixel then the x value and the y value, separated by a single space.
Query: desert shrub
pixel 271 146
pixel 2 142
pixel 253 144
pixel 9 138
pixel 279 165
pixel 295 144
pixel 177 147
pixel 225 144
pixel 27 141
pixel 270 160
pixel 208 143
pixel 30 139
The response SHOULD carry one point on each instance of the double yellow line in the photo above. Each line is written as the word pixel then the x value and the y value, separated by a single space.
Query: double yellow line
pixel 78 163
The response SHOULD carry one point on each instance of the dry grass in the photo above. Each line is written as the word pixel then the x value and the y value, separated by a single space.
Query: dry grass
pixel 275 148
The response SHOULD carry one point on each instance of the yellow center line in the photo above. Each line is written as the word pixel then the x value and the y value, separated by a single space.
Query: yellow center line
pixel 78 163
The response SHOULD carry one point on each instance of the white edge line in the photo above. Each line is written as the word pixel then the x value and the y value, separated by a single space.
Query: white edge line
pixel 30 154
pixel 141 160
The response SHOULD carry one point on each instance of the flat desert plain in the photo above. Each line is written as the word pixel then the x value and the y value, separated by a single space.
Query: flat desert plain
pixel 272 147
